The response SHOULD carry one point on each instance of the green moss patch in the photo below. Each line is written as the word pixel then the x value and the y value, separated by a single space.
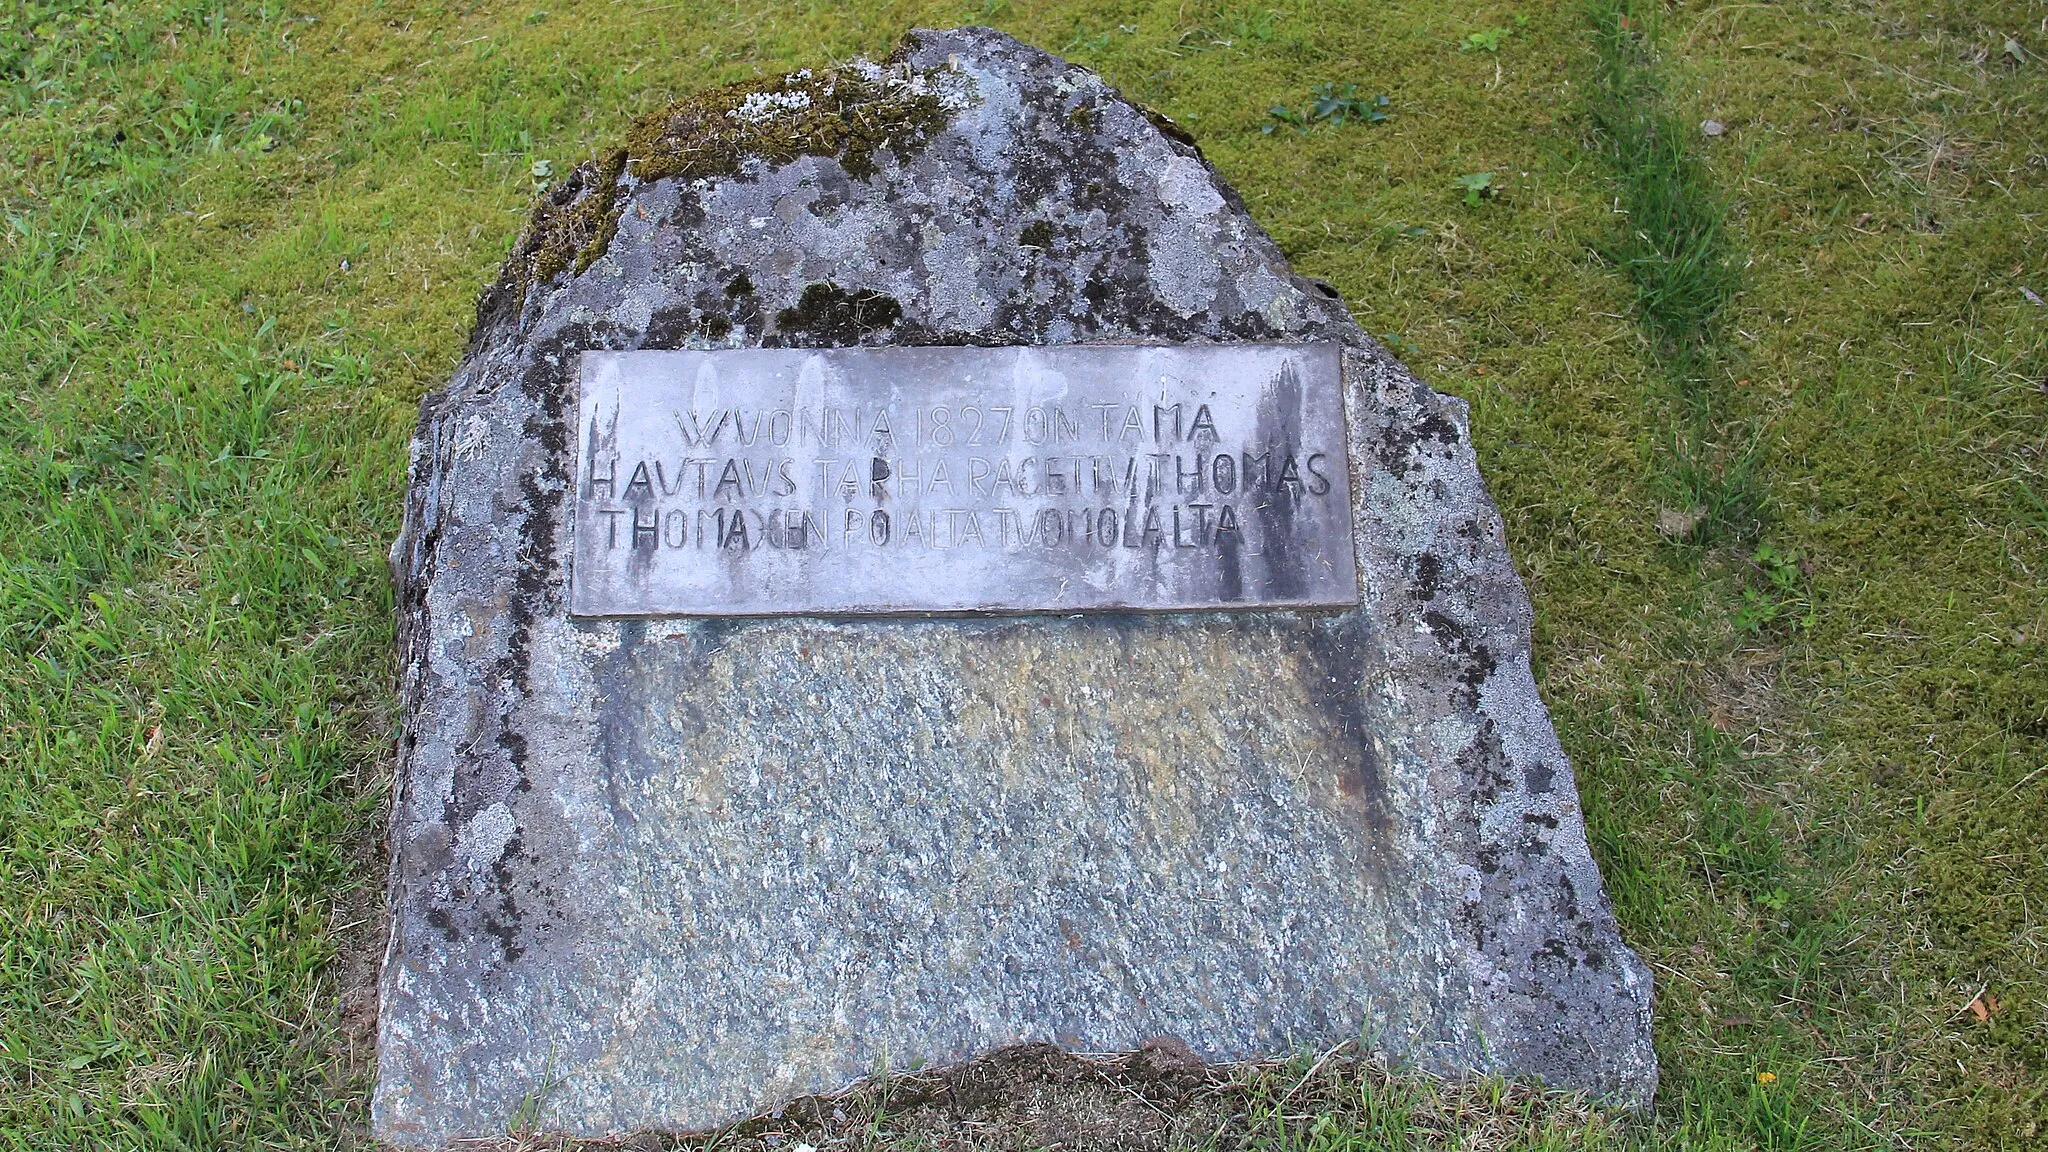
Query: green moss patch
pixel 850 114
pixel 573 228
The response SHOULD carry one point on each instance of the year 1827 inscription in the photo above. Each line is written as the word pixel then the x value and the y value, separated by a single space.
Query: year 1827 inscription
pixel 1042 479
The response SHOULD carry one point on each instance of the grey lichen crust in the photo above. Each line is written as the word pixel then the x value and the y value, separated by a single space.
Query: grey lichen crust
pixel 660 873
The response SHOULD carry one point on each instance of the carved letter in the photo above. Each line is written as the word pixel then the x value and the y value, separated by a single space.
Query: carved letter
pixel 611 473
pixel 1223 473
pixel 640 480
pixel 1318 483
pixel 729 477
pixel 1226 521
pixel 1158 432
pixel 1264 461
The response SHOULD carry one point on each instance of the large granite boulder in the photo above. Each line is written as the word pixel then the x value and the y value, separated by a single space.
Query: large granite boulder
pixel 661 872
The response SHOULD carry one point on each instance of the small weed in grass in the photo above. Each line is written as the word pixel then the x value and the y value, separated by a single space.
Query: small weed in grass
pixel 1477 187
pixel 1490 40
pixel 1400 346
pixel 1335 105
pixel 1281 116
pixel 1329 104
pixel 1778 594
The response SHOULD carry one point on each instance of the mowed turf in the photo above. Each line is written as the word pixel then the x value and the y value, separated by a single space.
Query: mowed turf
pixel 1786 548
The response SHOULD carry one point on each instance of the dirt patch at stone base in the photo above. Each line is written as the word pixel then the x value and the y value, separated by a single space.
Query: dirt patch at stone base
pixel 1036 1096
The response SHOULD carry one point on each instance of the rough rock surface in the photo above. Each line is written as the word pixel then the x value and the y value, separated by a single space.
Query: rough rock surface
pixel 660 873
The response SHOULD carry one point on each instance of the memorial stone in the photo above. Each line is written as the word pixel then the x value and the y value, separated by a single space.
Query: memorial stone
pixel 905 568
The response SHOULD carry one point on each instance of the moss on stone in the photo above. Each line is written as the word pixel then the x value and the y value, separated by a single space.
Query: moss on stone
pixel 849 113
pixel 573 228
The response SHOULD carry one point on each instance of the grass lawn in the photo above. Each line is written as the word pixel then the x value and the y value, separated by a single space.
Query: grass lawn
pixel 1766 412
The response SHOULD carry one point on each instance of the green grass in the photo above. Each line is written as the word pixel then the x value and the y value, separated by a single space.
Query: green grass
pixel 240 240
pixel 1672 239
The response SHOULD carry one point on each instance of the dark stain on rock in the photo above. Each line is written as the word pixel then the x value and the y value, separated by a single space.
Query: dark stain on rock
pixel 505 926
pixel 1339 648
pixel 1429 569
pixel 541 492
pixel 1477 658
pixel 1484 765
pixel 440 919
pixel 1435 426
pixel 828 316
pixel 1279 426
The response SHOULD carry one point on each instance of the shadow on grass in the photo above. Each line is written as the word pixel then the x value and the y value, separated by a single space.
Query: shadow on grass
pixel 1675 248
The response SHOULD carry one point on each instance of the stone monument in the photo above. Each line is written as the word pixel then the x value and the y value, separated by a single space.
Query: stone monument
pixel 903 569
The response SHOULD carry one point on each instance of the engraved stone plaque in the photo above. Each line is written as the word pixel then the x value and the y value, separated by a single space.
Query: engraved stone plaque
pixel 959 479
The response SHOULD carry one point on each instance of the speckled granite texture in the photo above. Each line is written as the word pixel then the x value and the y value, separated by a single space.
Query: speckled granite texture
pixel 661 873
